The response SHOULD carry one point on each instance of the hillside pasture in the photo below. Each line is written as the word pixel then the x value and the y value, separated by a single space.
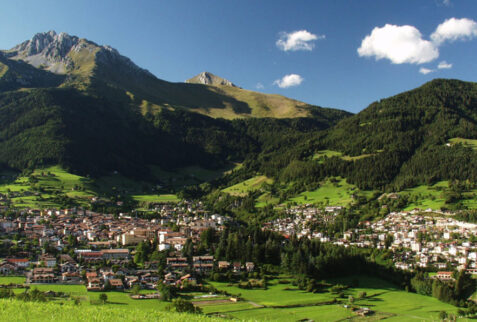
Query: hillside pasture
pixel 285 302
pixel 244 187
pixel 471 143
pixel 332 191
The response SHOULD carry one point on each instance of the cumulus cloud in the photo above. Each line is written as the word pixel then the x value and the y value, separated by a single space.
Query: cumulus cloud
pixel 297 40
pixel 444 65
pixel 455 29
pixel 425 71
pixel 259 86
pixel 289 81
pixel 399 44
pixel 446 3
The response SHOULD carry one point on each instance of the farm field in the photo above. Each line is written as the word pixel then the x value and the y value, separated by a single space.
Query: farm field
pixel 114 298
pixel 277 303
pixel 252 184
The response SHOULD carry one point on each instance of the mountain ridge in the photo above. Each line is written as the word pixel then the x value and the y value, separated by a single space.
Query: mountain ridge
pixel 102 69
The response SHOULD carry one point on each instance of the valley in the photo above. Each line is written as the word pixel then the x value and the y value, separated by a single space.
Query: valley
pixel 135 198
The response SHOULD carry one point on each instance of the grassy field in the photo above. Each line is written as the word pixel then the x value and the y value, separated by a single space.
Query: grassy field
pixel 320 155
pixel 424 197
pixel 14 310
pixel 279 302
pixel 335 192
pixel 114 298
pixel 252 184
pixel 156 198
pixel 260 105
pixel 40 192
pixel 266 199
pixel 466 142
pixel 427 196
pixel 46 182
pixel 276 303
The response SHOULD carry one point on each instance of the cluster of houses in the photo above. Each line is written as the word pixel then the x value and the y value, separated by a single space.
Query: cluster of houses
pixel 416 238
pixel 96 243
pixel 300 221
pixel 419 239
pixel 55 226
pixel 108 279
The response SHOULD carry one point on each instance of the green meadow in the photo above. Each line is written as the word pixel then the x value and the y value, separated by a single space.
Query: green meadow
pixel 323 154
pixel 466 142
pixel 115 299
pixel 285 302
pixel 280 301
pixel 47 184
pixel 15 310
pixel 332 191
pixel 244 187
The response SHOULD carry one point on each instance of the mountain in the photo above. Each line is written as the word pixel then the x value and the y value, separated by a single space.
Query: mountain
pixel 103 71
pixel 403 140
pixel 68 101
pixel 206 78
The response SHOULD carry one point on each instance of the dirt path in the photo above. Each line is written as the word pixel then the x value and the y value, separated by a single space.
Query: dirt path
pixel 255 304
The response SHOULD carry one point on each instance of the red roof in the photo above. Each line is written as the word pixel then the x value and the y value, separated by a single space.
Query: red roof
pixel 17 260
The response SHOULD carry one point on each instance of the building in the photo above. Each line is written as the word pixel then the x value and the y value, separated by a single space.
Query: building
pixel 203 264
pixel 117 254
pixel 177 263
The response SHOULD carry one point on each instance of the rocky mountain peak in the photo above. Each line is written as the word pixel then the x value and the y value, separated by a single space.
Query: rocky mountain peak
pixel 47 50
pixel 61 53
pixel 207 78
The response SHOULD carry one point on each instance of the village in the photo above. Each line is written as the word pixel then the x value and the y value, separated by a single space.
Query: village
pixel 429 240
pixel 77 246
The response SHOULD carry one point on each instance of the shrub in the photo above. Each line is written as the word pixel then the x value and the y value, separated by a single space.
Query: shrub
pixel 182 305
pixel 103 298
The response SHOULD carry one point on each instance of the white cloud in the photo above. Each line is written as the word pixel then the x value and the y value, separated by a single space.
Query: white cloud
pixel 455 29
pixel 259 86
pixel 399 44
pixel 446 3
pixel 297 40
pixel 425 71
pixel 289 81
pixel 444 65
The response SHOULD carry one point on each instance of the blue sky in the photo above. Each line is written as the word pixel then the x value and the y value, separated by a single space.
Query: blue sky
pixel 237 40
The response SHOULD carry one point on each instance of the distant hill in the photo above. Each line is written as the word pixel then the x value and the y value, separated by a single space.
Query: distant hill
pixel 403 139
pixel 68 101
pixel 102 71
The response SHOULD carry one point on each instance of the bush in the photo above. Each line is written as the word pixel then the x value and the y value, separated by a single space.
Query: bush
pixel 103 298
pixel 182 305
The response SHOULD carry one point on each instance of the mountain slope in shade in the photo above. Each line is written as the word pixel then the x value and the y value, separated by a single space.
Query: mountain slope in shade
pixel 102 71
